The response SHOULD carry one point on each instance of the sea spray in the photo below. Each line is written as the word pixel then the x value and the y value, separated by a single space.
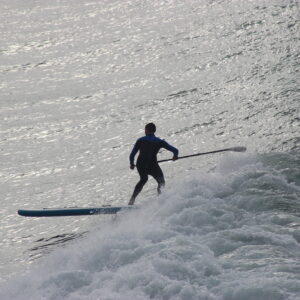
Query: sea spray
pixel 200 239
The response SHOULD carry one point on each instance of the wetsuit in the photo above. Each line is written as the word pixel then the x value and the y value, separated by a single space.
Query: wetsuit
pixel 147 164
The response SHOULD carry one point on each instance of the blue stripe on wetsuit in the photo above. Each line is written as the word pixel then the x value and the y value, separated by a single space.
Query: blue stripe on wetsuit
pixel 157 144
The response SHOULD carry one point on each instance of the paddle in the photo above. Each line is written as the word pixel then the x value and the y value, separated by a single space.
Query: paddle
pixel 235 149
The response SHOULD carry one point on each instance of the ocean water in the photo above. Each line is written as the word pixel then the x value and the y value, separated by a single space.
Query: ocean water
pixel 78 82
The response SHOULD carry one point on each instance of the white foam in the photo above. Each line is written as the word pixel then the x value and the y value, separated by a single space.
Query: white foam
pixel 189 243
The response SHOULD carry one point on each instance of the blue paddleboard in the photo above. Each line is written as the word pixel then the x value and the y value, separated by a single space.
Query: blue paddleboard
pixel 76 211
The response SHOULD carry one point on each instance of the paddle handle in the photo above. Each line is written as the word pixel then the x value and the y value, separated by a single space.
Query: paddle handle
pixel 235 149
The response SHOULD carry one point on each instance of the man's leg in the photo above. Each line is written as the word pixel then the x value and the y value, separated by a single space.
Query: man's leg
pixel 138 188
pixel 158 175
pixel 161 183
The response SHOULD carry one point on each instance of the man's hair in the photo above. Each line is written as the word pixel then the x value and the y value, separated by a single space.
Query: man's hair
pixel 150 127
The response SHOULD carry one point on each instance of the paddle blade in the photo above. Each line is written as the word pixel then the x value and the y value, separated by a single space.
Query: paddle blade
pixel 238 149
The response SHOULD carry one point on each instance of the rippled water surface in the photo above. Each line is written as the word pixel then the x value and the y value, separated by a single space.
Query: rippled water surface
pixel 78 82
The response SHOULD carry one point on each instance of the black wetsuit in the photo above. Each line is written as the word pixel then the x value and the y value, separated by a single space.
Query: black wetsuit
pixel 147 164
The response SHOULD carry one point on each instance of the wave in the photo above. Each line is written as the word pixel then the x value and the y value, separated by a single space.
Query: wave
pixel 230 234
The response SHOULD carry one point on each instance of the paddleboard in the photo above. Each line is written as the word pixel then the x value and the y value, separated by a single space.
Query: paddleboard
pixel 73 211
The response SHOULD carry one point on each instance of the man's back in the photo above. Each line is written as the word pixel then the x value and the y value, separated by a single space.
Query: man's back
pixel 149 146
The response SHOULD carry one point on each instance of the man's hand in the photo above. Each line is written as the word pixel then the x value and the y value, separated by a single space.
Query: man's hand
pixel 175 157
pixel 131 167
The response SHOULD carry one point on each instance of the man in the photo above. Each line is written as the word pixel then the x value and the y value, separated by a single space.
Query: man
pixel 147 164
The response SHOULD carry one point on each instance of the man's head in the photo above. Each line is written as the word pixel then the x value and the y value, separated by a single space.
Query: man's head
pixel 150 128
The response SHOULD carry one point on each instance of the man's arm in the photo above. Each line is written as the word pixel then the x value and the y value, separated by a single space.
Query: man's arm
pixel 171 148
pixel 132 154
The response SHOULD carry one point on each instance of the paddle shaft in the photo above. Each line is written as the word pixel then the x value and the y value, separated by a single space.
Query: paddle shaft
pixel 198 154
